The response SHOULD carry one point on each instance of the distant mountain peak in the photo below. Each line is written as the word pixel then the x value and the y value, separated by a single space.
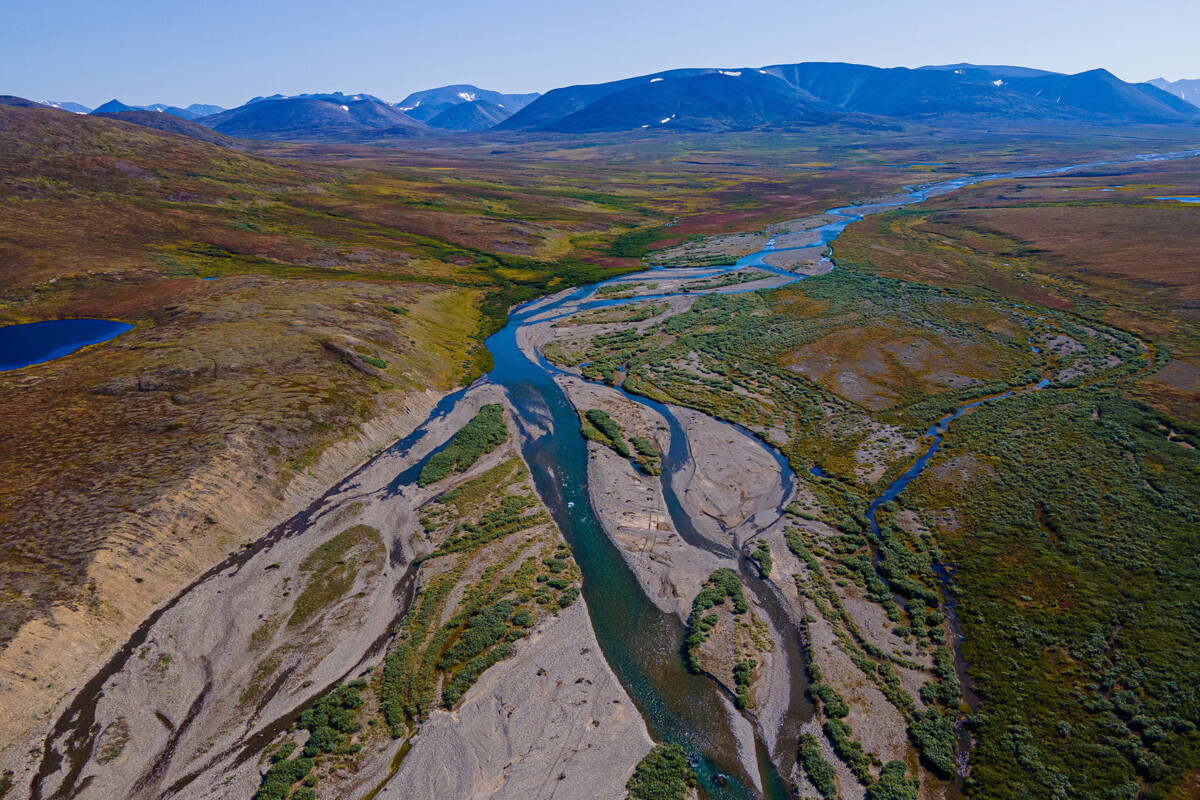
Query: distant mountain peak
pixel 431 104
pixel 74 108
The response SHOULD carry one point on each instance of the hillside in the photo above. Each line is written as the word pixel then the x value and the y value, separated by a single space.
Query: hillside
pixel 169 123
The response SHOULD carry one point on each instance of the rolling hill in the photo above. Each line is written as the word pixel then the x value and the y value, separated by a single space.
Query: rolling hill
pixel 169 123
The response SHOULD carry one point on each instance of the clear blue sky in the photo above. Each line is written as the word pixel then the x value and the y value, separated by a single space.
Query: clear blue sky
pixel 226 51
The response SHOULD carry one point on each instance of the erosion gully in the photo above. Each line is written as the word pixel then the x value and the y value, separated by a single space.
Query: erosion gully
pixel 642 644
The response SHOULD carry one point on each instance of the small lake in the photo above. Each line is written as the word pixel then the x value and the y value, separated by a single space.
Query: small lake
pixel 38 342
pixel 1181 199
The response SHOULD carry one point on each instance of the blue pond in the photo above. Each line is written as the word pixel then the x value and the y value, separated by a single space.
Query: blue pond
pixel 36 342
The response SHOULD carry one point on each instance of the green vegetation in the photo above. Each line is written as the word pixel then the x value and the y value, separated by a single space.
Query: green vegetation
pixel 622 289
pixel 819 771
pixel 332 568
pixel 483 434
pixel 378 363
pixel 277 783
pixel 649 458
pixel 629 312
pixel 725 279
pixel 636 243
pixel 933 734
pixel 663 774
pixel 332 719
pixel 893 783
pixel 1077 580
pixel 495 520
pixel 598 426
pixel 721 584
pixel 743 673
pixel 849 750
pixel 761 556
pixel 831 703
pixel 1073 575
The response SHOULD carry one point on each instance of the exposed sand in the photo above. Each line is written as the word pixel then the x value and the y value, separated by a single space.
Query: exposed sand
pixel 189 700
pixel 710 249
pixel 551 721
pixel 631 508
pixel 809 261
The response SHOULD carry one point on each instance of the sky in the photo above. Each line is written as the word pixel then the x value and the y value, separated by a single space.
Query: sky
pixel 227 51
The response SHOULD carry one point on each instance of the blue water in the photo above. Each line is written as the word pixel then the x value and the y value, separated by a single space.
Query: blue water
pixel 38 342
pixel 1181 199
pixel 641 644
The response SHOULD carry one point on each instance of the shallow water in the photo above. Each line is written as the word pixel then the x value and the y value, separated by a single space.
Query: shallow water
pixel 39 342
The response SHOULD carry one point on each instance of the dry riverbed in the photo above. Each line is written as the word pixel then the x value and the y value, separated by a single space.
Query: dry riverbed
pixel 221 674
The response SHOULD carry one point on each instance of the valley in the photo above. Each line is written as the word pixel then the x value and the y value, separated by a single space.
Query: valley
pixel 564 463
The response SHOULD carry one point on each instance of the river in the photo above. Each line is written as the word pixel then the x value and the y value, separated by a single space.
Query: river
pixel 641 643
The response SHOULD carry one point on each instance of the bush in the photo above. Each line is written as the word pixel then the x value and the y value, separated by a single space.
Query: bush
pixel 742 672
pixel 480 436
pixel 281 776
pixel 762 557
pixel 608 427
pixel 378 363
pixel 893 783
pixel 849 750
pixel 483 630
pixel 831 702
pixel 663 774
pixel 721 584
pixel 934 736
pixel 819 771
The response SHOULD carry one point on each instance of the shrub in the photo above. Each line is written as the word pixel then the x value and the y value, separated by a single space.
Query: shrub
pixel 378 363
pixel 480 436
pixel 721 584
pixel 849 750
pixel 608 427
pixel 819 771
pixel 280 778
pixel 663 774
pixel 933 734
pixel 762 557
pixel 893 783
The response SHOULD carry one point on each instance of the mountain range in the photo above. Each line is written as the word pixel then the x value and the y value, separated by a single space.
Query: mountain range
pixel 316 119
pixel 1185 90
pixel 814 93
pixel 194 111
pixel 703 99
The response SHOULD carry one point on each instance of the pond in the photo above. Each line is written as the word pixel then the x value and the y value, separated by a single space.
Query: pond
pixel 38 342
